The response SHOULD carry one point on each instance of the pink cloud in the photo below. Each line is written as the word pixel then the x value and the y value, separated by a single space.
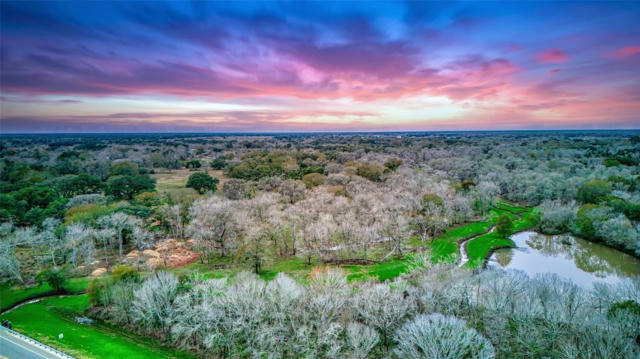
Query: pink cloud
pixel 625 52
pixel 553 56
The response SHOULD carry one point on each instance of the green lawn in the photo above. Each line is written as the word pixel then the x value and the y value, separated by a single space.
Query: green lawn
pixel 11 295
pixel 46 319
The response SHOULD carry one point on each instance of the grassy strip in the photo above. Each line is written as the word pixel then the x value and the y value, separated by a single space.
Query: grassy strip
pixel 479 248
pixel 12 295
pixel 46 319
pixel 445 247
pixel 381 271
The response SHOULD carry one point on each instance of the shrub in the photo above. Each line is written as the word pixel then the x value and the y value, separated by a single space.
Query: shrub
pixel 87 213
pixel 125 273
pixel 437 336
pixel 92 198
pixel 504 225
pixel 594 191
pixel 94 291
pixel 393 164
pixel 467 184
pixel 56 278
pixel 313 179
pixel 148 199
pixel 372 172
pixel 338 190
pixel 237 189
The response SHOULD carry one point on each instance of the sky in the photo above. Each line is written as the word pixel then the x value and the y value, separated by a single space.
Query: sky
pixel 97 66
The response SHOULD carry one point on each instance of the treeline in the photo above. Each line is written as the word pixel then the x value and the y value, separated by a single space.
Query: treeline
pixel 439 312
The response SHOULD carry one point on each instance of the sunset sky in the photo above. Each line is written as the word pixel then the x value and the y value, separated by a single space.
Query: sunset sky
pixel 318 66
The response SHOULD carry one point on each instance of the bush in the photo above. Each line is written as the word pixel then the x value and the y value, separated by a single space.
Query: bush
pixel 56 278
pixel 87 213
pixel 372 172
pixel 393 164
pixel 313 179
pixel 92 198
pixel 148 199
pixel 504 225
pixel 467 184
pixel 202 182
pixel 237 189
pixel 594 191
pixel 125 273
pixel 94 291
pixel 437 336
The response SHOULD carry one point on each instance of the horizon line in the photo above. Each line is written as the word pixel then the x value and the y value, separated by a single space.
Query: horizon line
pixel 316 132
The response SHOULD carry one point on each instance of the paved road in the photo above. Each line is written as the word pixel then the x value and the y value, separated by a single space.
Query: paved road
pixel 16 347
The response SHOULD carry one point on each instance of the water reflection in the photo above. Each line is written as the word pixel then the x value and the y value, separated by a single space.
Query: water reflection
pixel 582 261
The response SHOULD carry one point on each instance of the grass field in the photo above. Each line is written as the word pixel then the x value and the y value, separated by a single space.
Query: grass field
pixel 46 319
pixel 174 181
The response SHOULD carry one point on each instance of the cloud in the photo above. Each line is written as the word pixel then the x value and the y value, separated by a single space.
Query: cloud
pixel 552 56
pixel 624 52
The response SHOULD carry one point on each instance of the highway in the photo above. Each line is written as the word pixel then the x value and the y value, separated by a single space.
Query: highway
pixel 15 346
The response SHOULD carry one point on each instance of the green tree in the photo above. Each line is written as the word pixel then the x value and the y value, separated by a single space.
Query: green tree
pixel 193 164
pixel 123 169
pixel 220 162
pixel 56 278
pixel 125 187
pixel 202 182
pixel 504 225
pixel 70 186
pixel 594 191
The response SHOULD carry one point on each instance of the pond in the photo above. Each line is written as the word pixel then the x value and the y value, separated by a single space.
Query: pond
pixel 584 262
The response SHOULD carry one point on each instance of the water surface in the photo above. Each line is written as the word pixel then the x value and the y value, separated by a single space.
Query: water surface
pixel 581 261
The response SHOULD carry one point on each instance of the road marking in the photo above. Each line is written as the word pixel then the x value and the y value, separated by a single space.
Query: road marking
pixel 23 347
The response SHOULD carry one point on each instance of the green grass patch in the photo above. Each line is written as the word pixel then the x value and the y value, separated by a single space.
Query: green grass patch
pixel 381 271
pixel 510 207
pixel 46 319
pixel 11 295
pixel 479 247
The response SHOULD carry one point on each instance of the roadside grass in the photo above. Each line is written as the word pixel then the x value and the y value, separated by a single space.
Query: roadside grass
pixel 48 318
pixel 10 295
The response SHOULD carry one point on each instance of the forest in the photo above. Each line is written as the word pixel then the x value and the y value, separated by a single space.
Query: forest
pixel 326 245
